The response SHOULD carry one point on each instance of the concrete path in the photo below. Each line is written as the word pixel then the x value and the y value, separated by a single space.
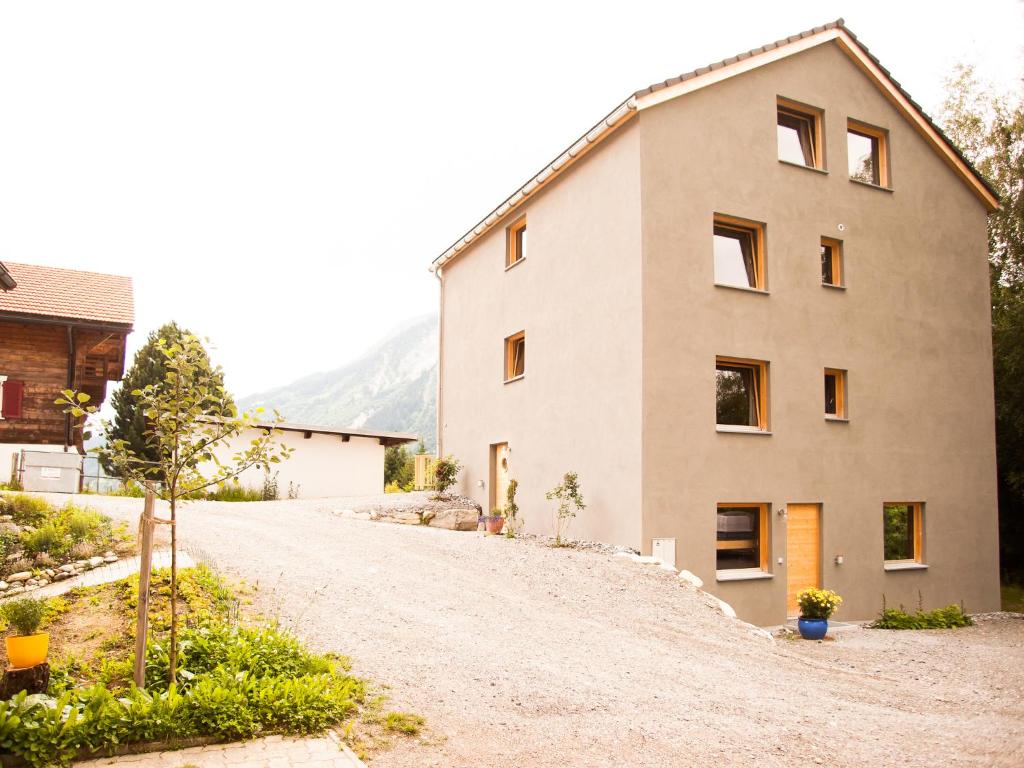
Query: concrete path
pixel 108 573
pixel 271 752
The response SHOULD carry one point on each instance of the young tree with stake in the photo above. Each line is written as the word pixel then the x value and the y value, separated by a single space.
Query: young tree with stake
pixel 189 416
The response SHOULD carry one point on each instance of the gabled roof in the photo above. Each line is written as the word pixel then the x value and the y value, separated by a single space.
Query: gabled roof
pixel 68 295
pixel 688 82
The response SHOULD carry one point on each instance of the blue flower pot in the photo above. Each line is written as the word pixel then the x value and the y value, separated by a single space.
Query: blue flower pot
pixel 812 629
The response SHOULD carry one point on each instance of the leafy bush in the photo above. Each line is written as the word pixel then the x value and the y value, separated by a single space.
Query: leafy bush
pixel 234 492
pixel 62 530
pixel 446 471
pixel 24 615
pixel 817 603
pixel 950 617
pixel 25 509
pixel 570 501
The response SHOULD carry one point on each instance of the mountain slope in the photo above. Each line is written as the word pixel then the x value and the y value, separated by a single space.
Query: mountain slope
pixel 392 387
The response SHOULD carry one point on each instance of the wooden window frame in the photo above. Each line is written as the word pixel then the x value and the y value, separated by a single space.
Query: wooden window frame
pixel 840 376
pixel 760 368
pixel 815 116
pixel 881 137
pixel 511 342
pixel 838 271
pixel 747 226
pixel 917 510
pixel 764 555
pixel 513 249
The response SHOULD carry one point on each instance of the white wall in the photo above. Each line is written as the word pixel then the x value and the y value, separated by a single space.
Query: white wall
pixel 321 465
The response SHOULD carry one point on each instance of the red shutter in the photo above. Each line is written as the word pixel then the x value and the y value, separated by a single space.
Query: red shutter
pixel 14 392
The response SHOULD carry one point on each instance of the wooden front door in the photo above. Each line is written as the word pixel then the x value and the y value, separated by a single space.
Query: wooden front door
pixel 803 551
pixel 499 475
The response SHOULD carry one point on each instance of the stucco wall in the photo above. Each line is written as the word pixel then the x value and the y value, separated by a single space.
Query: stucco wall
pixel 912 328
pixel 577 295
pixel 321 465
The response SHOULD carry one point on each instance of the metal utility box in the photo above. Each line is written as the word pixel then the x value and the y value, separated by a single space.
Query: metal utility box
pixel 50 471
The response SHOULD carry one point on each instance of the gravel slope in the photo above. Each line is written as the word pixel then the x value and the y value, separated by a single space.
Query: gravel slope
pixel 522 655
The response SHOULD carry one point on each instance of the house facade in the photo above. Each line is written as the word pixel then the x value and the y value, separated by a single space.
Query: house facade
pixel 59 329
pixel 755 302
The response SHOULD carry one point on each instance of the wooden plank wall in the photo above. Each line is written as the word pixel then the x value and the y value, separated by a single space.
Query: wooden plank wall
pixel 37 355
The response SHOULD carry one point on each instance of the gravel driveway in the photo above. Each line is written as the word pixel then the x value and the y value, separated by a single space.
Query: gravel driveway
pixel 522 655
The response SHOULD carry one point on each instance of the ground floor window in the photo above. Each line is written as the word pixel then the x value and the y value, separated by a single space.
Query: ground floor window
pixel 903 531
pixel 742 541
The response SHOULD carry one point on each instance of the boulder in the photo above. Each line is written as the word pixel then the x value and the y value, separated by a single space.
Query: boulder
pixel 452 519
pixel 691 578
pixel 95 562
pixel 17 589
pixel 14 578
pixel 67 568
pixel 403 516
pixel 3 585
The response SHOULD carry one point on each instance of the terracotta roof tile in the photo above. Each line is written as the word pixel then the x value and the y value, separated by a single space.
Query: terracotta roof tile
pixel 68 294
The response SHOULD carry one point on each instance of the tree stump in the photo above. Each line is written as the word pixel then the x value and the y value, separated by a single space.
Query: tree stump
pixel 31 679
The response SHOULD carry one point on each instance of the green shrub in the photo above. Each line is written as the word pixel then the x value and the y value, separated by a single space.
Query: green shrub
pixel 85 524
pixel 25 509
pixel 950 617
pixel 24 615
pixel 234 492
pixel 46 538
pixel 446 471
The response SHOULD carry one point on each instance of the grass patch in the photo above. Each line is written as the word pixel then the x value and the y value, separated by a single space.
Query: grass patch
pixel 403 722
pixel 234 492
pixel 1012 597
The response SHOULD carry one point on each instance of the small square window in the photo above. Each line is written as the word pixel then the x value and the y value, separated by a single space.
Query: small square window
pixel 904 531
pixel 742 537
pixel 835 393
pixel 798 134
pixel 741 396
pixel 515 250
pixel 739 252
pixel 867 153
pixel 831 262
pixel 515 356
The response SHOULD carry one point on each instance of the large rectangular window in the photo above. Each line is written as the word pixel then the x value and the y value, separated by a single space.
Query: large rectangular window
pixel 742 540
pixel 739 252
pixel 904 531
pixel 798 134
pixel 515 356
pixel 515 250
pixel 867 153
pixel 741 394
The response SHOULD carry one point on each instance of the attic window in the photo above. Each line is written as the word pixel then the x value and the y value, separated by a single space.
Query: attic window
pixel 867 150
pixel 515 356
pixel 798 134
pixel 515 250
pixel 739 252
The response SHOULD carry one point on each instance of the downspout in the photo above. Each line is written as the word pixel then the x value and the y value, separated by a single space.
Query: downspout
pixel 440 358
pixel 70 385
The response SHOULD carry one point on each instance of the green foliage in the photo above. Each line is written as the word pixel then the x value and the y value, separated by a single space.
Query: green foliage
pixel 817 603
pixel 234 492
pixel 950 617
pixel 403 722
pixel 570 501
pixel 399 466
pixel 1012 597
pixel 446 471
pixel 149 368
pixel 25 615
pixel 60 531
pixel 25 509
pixel 989 129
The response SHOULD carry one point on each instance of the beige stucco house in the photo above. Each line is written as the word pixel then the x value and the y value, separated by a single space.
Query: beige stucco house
pixel 755 300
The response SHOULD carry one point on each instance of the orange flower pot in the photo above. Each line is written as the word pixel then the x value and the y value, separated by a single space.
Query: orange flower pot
pixel 495 524
pixel 27 651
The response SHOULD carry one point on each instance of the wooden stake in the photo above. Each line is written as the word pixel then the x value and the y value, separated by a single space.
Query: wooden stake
pixel 146 525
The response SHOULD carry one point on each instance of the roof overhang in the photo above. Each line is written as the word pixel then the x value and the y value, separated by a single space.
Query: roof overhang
pixel 7 282
pixel 701 78
pixel 385 438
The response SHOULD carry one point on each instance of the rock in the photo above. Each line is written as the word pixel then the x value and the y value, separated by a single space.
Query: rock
pixel 109 553
pixel 62 575
pixel 32 583
pixel 43 582
pixel 6 518
pixel 110 559
pixel 21 576
pixel 3 585
pixel 452 519
pixel 79 564
pixel 15 590
pixel 50 572
pixel 726 609
pixel 403 516
pixel 95 562
pixel 67 568
pixel 31 679
pixel 691 578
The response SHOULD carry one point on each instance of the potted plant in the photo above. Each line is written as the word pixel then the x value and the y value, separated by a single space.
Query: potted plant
pixel 816 606
pixel 27 647
pixel 496 521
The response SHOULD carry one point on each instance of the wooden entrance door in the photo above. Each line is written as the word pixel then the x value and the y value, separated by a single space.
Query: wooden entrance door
pixel 803 551
pixel 499 475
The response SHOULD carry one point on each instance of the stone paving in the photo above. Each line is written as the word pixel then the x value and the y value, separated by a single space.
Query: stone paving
pixel 271 752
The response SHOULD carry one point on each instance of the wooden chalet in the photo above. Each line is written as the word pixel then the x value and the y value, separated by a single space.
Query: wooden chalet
pixel 59 329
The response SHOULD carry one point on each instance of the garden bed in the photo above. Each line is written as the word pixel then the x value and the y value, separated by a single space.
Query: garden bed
pixel 41 543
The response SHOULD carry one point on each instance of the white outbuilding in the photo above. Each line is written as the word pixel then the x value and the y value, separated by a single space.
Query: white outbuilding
pixel 325 461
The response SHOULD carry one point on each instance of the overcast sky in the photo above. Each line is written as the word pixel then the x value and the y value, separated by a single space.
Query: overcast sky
pixel 278 176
